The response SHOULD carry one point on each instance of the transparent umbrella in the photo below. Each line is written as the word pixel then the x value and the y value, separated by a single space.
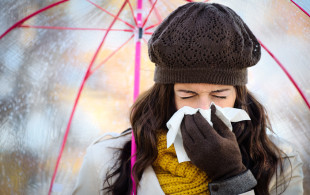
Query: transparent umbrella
pixel 54 68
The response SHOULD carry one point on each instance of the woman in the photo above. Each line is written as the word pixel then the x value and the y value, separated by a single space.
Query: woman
pixel 201 52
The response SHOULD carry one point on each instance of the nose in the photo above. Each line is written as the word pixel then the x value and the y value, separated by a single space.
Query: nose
pixel 204 102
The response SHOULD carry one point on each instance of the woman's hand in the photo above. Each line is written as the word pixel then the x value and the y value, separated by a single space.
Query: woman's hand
pixel 213 149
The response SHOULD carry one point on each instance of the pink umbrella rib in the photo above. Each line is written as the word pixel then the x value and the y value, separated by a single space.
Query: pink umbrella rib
pixel 78 97
pixel 156 13
pixel 152 26
pixel 30 16
pixel 301 8
pixel 105 60
pixel 145 41
pixel 147 17
pixel 131 26
pixel 72 28
pixel 132 12
pixel 287 74
pixel 148 33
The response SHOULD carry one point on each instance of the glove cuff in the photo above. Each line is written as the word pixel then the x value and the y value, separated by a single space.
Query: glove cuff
pixel 235 185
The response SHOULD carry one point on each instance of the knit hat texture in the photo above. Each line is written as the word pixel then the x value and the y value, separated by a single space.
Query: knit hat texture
pixel 203 43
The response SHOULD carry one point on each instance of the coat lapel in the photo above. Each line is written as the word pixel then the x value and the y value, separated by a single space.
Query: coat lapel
pixel 149 183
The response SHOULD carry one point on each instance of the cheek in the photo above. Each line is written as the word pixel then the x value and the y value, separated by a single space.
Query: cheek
pixel 180 103
pixel 225 102
pixel 229 102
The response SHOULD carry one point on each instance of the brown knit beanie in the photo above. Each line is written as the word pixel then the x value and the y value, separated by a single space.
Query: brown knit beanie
pixel 203 43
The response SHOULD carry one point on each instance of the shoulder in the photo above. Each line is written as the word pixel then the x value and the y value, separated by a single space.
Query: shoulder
pixel 100 157
pixel 116 139
pixel 290 181
pixel 103 153
pixel 105 146
pixel 286 147
pixel 289 154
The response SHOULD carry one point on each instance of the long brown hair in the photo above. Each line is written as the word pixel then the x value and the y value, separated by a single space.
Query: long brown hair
pixel 155 107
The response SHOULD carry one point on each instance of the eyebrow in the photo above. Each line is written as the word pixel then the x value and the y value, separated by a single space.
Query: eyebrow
pixel 219 90
pixel 186 91
pixel 216 91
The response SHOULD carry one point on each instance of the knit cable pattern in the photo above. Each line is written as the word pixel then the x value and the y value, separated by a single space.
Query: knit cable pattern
pixel 177 178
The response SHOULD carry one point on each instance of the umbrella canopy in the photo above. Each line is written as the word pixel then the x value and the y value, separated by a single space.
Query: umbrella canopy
pixel 81 54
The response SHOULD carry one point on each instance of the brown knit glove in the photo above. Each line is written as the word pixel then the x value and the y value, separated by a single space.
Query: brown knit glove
pixel 212 149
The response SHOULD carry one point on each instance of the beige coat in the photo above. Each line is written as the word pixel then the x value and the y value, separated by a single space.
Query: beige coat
pixel 101 156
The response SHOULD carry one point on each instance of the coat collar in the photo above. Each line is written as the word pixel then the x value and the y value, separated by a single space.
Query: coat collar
pixel 149 183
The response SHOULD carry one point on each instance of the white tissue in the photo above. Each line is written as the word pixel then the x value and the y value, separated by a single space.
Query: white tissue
pixel 174 136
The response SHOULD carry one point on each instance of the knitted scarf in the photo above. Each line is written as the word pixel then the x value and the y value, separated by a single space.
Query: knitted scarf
pixel 174 177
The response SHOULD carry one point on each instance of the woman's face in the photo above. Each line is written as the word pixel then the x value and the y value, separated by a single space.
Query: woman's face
pixel 200 95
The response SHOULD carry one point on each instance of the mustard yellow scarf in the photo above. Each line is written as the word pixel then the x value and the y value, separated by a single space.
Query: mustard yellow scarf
pixel 174 177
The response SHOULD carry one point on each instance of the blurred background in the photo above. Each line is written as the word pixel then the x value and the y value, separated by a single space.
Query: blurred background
pixel 41 70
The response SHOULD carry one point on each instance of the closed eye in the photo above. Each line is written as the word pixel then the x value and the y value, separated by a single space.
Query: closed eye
pixel 187 97
pixel 186 94
pixel 221 97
